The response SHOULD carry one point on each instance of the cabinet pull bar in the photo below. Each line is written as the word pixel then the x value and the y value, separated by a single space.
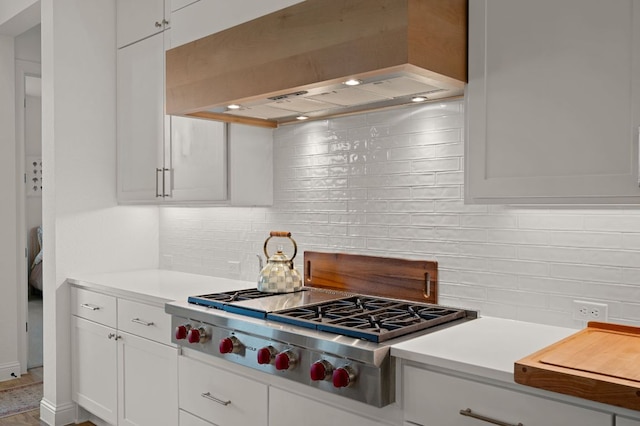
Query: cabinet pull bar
pixel 214 399
pixel 139 321
pixel 157 173
pixel 90 307
pixel 164 183
pixel 470 413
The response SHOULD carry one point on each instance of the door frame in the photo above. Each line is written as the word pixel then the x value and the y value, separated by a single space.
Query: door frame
pixel 23 69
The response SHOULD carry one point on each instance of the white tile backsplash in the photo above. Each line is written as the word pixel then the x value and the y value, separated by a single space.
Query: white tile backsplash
pixel 390 183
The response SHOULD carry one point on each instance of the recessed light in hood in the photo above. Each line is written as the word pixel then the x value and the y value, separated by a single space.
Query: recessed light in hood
pixel 295 61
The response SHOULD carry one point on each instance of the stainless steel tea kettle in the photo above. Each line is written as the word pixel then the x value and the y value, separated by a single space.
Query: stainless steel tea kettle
pixel 279 274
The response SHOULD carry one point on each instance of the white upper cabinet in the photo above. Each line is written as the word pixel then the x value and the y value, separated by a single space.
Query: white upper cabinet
pixel 206 17
pixel 552 104
pixel 141 119
pixel 198 159
pixel 138 19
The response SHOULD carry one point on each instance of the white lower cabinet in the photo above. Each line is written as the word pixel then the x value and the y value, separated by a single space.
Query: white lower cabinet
pixel 288 409
pixel 625 421
pixel 93 359
pixel 120 373
pixel 220 397
pixel 147 382
pixel 435 399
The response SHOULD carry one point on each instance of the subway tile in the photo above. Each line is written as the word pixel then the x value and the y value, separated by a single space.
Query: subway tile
pixel 551 254
pixel 550 222
pixel 437 165
pixel 518 237
pixel 435 192
pixel 449 178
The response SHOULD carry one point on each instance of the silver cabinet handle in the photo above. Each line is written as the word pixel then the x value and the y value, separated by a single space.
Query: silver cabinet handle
pixel 214 399
pixel 157 174
pixel 111 335
pixel 139 321
pixel 470 413
pixel 165 22
pixel 90 307
pixel 158 24
pixel 164 183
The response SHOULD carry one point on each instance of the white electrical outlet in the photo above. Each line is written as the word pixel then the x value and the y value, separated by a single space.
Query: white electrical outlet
pixel 590 311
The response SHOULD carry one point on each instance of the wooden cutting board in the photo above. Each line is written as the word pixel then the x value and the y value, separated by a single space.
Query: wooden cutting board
pixel 600 363
pixel 379 276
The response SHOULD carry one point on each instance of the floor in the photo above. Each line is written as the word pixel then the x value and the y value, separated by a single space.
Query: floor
pixel 30 418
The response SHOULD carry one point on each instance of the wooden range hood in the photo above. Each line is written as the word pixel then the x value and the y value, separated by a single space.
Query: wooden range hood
pixel 295 61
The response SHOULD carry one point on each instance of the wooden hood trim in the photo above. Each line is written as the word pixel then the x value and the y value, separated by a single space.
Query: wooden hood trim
pixel 317 42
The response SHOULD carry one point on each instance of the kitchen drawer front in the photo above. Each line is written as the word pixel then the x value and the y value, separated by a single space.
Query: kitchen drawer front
pixel 188 419
pixel 434 399
pixel 220 397
pixel 150 322
pixel 93 306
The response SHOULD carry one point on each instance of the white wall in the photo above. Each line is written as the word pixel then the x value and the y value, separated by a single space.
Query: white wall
pixel 85 230
pixel 18 15
pixel 9 362
pixel 391 184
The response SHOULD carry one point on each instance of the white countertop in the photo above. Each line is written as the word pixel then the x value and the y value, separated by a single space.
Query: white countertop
pixel 156 286
pixel 486 347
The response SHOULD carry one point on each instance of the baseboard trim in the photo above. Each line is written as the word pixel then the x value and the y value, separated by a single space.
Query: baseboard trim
pixel 10 368
pixel 57 415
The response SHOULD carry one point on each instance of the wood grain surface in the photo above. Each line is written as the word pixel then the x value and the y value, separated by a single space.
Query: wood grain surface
pixel 318 42
pixel 380 276
pixel 599 363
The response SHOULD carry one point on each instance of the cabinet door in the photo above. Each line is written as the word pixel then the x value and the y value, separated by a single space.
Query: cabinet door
pixel 93 361
pixel 206 17
pixel 138 19
pixel 198 160
pixel 624 421
pixel 288 409
pixel 552 101
pixel 148 382
pixel 140 92
pixel 251 165
pixel 434 399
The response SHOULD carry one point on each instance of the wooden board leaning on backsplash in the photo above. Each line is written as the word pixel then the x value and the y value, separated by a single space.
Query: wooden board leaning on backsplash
pixel 378 276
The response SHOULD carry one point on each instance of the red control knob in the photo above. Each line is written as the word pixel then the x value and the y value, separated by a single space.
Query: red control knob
pixel 320 370
pixel 196 335
pixel 181 331
pixel 266 355
pixel 285 360
pixel 343 377
pixel 229 345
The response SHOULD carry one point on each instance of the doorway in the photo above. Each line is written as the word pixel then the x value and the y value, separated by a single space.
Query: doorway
pixel 29 161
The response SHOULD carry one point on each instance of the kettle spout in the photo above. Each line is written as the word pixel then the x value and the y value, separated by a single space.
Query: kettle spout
pixel 260 262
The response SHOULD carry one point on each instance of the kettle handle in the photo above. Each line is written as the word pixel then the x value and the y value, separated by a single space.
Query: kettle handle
pixel 283 234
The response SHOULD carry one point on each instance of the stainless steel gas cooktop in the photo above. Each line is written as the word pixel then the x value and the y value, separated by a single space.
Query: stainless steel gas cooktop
pixel 335 341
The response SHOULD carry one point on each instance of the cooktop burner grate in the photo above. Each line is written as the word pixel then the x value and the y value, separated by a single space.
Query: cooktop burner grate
pixel 218 300
pixel 368 318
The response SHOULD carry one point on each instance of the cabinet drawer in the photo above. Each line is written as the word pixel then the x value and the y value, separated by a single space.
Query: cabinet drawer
pixel 93 306
pixel 437 399
pixel 221 397
pixel 187 419
pixel 150 322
